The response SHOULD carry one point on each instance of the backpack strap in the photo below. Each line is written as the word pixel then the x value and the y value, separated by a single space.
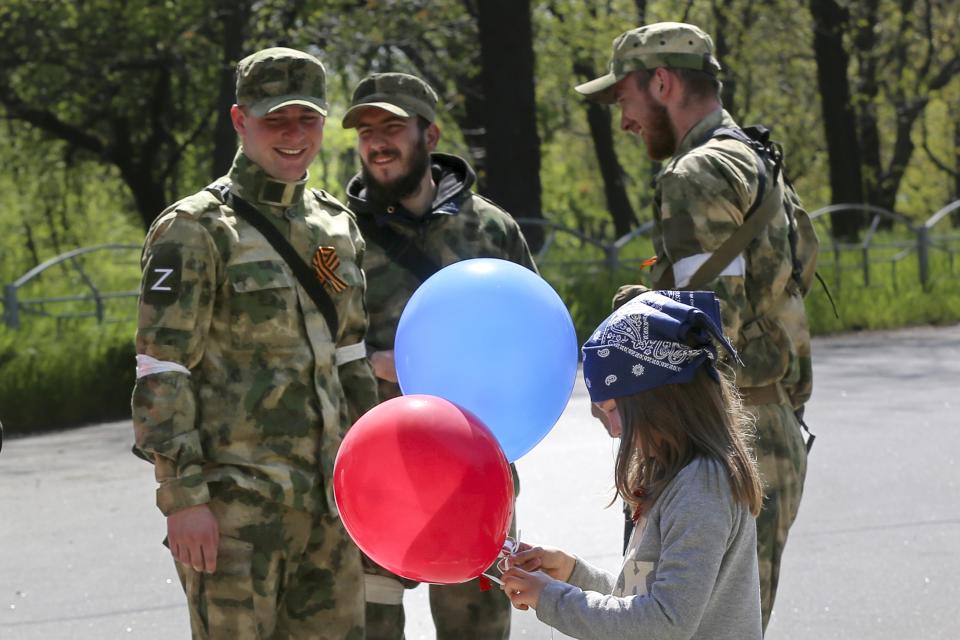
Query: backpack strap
pixel 760 213
pixel 401 251
pixel 303 273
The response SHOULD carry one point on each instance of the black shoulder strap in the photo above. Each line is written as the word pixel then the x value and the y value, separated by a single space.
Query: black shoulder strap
pixel 400 251
pixel 303 273
pixel 752 224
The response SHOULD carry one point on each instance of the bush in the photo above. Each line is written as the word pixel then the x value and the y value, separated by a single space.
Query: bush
pixel 51 379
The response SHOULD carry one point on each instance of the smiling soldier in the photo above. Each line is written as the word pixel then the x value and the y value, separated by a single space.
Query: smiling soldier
pixel 249 372
pixel 418 214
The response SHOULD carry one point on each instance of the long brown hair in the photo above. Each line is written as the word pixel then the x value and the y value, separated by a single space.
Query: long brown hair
pixel 700 417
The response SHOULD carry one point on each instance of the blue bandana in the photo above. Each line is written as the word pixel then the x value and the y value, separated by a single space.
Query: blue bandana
pixel 659 337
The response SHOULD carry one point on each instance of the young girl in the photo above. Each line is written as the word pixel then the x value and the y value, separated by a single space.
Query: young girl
pixel 690 569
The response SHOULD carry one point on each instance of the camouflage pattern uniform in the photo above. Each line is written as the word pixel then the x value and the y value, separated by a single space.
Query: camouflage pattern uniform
pixel 249 407
pixel 460 225
pixel 701 197
pixel 703 193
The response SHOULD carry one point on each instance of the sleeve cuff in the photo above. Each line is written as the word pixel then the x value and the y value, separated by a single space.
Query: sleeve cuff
pixel 549 602
pixel 180 493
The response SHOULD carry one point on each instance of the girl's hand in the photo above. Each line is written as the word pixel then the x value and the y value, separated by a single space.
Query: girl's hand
pixel 556 563
pixel 524 588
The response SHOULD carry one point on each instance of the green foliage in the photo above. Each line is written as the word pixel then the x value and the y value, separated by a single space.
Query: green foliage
pixel 881 289
pixel 54 379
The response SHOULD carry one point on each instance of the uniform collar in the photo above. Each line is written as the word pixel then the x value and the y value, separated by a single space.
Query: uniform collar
pixel 697 134
pixel 254 185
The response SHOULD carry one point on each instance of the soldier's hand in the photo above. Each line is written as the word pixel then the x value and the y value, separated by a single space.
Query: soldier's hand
pixel 383 365
pixel 194 535
pixel 556 563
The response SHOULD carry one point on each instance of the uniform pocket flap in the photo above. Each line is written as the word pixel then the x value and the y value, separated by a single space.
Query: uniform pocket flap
pixel 258 276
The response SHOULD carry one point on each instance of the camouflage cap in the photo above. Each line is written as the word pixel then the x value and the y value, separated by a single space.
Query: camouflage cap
pixel 279 77
pixel 399 93
pixel 664 44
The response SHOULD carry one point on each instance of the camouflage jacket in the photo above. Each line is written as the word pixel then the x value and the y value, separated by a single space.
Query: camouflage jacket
pixel 460 225
pixel 265 405
pixel 702 195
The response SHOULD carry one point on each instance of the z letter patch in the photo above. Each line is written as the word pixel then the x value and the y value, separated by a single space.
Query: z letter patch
pixel 161 278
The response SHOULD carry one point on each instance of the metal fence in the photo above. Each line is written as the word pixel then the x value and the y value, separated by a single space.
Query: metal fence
pixel 16 306
pixel 921 245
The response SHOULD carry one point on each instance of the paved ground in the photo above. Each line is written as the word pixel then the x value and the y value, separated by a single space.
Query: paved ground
pixel 875 553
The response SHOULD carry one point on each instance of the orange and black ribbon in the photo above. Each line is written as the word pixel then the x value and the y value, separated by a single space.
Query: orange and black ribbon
pixel 325 264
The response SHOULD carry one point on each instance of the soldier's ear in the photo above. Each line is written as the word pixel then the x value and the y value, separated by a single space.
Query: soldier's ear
pixel 664 84
pixel 433 136
pixel 238 117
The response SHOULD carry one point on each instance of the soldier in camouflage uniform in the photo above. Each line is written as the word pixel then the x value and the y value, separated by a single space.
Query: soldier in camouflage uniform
pixel 664 78
pixel 244 391
pixel 418 214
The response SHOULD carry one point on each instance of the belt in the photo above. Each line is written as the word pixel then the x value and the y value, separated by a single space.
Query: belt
pixel 767 394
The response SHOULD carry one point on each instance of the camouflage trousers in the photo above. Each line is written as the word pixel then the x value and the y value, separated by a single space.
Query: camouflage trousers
pixel 281 573
pixel 782 459
pixel 460 611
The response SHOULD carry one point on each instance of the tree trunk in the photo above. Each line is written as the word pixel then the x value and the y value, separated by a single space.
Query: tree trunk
pixel 867 90
pixel 641 7
pixel 728 91
pixel 148 194
pixel 614 187
pixel 512 142
pixel 903 148
pixel 471 122
pixel 234 16
pixel 843 148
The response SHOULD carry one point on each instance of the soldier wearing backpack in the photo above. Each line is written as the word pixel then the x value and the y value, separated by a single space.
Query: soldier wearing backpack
pixel 726 220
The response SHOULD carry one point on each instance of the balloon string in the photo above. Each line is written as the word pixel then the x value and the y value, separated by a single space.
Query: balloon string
pixel 510 547
pixel 490 577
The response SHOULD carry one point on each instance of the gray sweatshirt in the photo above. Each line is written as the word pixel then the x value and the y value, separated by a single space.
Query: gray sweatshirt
pixel 690 571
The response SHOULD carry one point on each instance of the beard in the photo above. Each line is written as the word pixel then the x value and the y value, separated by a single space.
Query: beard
pixel 403 185
pixel 661 142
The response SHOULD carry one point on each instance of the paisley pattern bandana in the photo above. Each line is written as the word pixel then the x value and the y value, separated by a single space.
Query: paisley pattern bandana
pixel 659 337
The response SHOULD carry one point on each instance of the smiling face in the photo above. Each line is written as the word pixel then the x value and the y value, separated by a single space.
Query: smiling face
pixel 283 143
pixel 394 152
pixel 643 116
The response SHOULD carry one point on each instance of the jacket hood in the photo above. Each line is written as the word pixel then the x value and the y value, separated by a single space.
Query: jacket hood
pixel 452 174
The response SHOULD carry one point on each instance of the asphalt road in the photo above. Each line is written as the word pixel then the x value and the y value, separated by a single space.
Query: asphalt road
pixel 875 552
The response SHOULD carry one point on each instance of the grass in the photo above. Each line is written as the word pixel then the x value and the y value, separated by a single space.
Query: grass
pixel 52 378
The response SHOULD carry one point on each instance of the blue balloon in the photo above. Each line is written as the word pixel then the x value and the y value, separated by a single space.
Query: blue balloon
pixel 496 339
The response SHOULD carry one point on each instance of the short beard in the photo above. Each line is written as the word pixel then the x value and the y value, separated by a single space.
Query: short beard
pixel 403 186
pixel 662 142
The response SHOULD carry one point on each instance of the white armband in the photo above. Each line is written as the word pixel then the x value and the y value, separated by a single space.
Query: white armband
pixel 351 352
pixel 148 365
pixel 382 590
pixel 684 269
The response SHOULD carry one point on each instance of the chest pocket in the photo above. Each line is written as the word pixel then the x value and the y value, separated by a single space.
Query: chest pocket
pixel 264 310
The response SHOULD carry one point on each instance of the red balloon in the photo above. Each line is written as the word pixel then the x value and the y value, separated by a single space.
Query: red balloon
pixel 424 489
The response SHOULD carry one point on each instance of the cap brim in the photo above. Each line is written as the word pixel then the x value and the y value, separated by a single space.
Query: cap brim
pixel 353 113
pixel 599 89
pixel 269 105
